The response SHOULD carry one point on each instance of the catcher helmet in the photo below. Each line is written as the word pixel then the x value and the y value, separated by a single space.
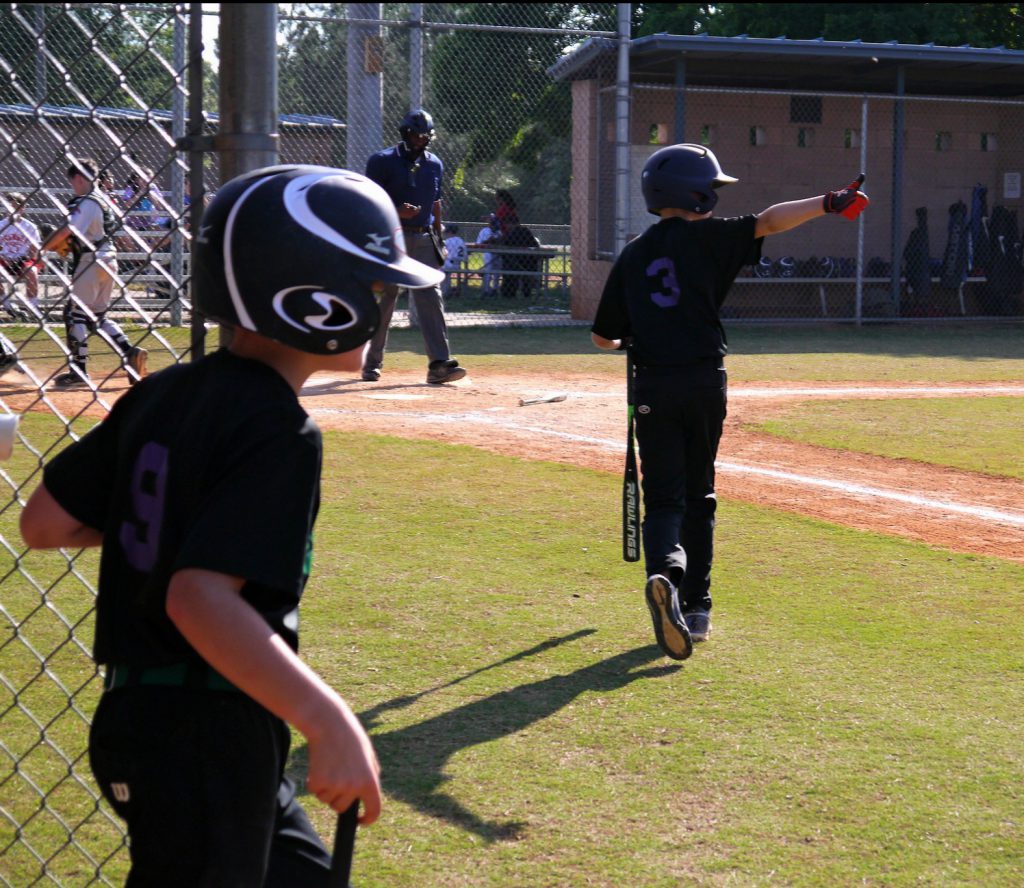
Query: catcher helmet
pixel 683 176
pixel 292 253
pixel 416 123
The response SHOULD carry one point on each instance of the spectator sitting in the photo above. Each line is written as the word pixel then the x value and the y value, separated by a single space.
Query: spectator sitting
pixel 523 266
pixel 19 252
pixel 506 209
pixel 455 261
pixel 489 234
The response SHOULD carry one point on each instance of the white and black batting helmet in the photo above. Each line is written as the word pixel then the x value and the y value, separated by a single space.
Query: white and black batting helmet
pixel 292 253
pixel 683 176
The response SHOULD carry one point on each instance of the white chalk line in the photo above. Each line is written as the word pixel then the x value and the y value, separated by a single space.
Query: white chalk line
pixel 923 502
pixel 934 391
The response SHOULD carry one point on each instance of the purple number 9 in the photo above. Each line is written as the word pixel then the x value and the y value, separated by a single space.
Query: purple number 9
pixel 141 536
pixel 665 270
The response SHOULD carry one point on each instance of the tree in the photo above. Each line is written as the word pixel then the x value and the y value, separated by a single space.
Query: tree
pixel 946 24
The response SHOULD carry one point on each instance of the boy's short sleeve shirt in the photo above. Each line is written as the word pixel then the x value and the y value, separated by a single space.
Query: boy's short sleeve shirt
pixel 666 288
pixel 212 465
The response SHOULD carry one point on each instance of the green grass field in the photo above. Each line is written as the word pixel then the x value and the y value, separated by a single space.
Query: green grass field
pixel 855 718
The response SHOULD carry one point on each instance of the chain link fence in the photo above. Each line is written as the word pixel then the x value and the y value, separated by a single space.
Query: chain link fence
pixel 942 239
pixel 107 84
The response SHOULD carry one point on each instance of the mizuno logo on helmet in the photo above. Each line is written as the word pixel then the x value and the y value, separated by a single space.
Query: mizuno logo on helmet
pixel 293 306
pixel 378 243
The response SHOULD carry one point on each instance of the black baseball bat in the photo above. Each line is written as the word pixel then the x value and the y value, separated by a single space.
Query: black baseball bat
pixel 630 478
pixel 344 847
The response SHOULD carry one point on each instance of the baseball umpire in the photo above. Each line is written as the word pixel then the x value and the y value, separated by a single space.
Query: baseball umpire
pixel 661 301
pixel 411 175
pixel 202 487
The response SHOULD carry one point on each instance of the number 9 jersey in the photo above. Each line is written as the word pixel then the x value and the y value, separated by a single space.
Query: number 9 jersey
pixel 186 472
pixel 667 286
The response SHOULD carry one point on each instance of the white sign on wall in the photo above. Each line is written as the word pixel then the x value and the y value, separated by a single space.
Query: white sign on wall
pixel 1011 186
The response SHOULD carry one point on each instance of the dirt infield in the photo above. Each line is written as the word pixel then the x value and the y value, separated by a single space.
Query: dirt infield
pixel 963 511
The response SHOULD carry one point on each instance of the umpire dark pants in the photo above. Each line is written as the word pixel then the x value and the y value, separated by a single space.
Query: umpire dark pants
pixel 679 417
pixel 198 775
pixel 429 309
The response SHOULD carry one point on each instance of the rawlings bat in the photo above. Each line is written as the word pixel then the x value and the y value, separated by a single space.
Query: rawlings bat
pixel 630 479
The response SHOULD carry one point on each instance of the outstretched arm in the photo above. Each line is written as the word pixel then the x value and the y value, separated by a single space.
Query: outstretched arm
pixel 849 202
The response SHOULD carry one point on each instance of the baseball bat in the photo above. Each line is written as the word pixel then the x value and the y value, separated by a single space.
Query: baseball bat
pixel 344 847
pixel 630 478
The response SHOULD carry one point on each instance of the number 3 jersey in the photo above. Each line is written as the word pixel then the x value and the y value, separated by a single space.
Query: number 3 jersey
pixel 211 465
pixel 666 288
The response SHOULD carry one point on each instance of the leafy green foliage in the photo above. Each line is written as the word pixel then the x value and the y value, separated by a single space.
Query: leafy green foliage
pixel 945 24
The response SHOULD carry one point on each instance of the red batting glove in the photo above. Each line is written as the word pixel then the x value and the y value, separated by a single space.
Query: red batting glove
pixel 848 201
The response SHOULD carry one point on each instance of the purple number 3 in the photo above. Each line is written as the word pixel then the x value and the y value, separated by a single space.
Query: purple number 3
pixel 664 269
pixel 141 537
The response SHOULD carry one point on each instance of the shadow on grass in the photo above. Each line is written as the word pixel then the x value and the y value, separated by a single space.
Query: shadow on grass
pixel 413 759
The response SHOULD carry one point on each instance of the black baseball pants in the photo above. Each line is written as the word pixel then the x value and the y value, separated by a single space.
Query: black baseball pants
pixel 198 776
pixel 678 426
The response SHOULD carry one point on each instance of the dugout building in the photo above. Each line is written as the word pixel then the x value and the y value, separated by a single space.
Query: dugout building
pixel 939 132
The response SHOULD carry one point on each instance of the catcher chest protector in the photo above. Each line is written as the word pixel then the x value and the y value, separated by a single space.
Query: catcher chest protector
pixel 292 253
pixel 683 176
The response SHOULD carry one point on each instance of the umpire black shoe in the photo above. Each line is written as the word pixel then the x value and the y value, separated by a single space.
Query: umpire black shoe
pixel 371 374
pixel 699 624
pixel 74 378
pixel 669 628
pixel 441 372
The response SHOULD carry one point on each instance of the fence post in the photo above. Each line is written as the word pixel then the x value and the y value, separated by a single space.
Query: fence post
pixel 622 138
pixel 364 126
pixel 247 138
pixel 859 301
pixel 416 56
pixel 897 188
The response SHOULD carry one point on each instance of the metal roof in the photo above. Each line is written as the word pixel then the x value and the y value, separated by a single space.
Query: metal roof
pixel 851 65
pixel 104 113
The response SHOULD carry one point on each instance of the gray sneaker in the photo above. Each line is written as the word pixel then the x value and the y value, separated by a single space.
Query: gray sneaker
pixel 441 372
pixel 669 629
pixel 699 624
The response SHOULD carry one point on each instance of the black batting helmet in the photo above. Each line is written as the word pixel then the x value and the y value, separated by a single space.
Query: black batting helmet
pixel 683 176
pixel 416 123
pixel 292 252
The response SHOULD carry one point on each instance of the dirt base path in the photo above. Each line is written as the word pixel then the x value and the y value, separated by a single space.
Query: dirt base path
pixel 963 511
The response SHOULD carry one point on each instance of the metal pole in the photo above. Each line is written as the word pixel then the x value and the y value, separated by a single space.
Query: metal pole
pixel 416 56
pixel 195 157
pixel 679 129
pixel 859 302
pixel 40 54
pixel 177 179
pixel 364 126
pixel 247 137
pixel 897 186
pixel 622 139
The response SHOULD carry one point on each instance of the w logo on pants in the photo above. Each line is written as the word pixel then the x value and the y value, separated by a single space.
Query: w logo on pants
pixel 120 791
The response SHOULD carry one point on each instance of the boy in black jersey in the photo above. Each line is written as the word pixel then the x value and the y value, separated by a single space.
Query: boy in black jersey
pixel 662 301
pixel 202 486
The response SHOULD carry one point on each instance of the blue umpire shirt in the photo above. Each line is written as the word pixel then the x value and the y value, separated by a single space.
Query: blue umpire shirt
pixel 417 182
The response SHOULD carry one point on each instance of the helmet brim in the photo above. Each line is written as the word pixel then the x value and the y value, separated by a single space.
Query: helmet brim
pixel 405 272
